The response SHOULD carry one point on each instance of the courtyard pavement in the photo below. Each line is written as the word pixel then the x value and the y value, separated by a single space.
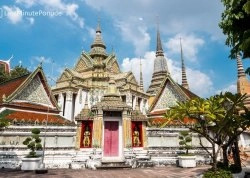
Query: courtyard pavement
pixel 154 172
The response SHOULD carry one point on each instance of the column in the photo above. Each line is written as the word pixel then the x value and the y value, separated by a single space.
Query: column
pixel 129 99
pixel 78 135
pixel 97 129
pixel 127 129
pixel 68 106
pixel 60 103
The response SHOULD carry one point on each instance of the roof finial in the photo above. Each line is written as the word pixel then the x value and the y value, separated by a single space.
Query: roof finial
pixel 159 50
pixel 141 79
pixel 10 58
pixel 98 47
pixel 183 70
pixel 98 29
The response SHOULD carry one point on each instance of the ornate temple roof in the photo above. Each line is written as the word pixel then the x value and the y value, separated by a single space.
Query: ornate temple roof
pixel 137 115
pixel 28 98
pixel 170 92
pixel 160 68
pixel 85 113
pixel 111 100
pixel 98 47
pixel 183 70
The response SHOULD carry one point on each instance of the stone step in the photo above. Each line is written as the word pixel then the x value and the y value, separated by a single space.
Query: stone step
pixel 114 165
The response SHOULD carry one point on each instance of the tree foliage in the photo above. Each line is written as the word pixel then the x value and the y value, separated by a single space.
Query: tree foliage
pixel 218 114
pixel 17 71
pixel 235 23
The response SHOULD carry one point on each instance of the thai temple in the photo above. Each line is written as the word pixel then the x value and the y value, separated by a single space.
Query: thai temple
pixel 97 114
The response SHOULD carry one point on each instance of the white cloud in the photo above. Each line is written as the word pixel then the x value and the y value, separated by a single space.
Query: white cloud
pixel 26 3
pixel 68 9
pixel 231 88
pixel 136 34
pixel 147 62
pixel 31 20
pixel 199 82
pixel 42 59
pixel 14 14
pixel 175 16
pixel 190 46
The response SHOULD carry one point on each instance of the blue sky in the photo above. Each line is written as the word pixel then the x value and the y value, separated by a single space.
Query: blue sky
pixel 56 31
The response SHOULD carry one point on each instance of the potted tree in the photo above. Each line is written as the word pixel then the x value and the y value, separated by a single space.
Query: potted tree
pixel 186 159
pixel 32 160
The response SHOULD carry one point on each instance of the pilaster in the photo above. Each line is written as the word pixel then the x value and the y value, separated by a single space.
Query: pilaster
pixel 78 135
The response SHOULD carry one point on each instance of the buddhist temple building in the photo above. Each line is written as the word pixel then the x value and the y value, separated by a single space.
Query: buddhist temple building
pixel 109 106
pixel 96 113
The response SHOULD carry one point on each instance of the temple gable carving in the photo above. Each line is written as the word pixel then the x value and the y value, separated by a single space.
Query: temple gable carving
pixel 168 98
pixel 34 92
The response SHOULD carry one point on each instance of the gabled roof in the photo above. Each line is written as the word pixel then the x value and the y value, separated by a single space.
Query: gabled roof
pixel 28 99
pixel 8 87
pixel 15 92
pixel 175 93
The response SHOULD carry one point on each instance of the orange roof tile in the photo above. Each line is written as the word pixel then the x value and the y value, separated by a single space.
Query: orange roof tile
pixel 22 116
pixel 33 106
pixel 8 87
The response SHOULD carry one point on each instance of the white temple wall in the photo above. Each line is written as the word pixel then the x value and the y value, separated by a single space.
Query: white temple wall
pixel 59 145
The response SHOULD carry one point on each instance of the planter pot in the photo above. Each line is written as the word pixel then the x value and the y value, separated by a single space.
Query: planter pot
pixel 187 161
pixel 30 164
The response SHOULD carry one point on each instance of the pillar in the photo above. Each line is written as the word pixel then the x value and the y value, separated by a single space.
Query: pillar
pixel 68 106
pixel 97 129
pixel 78 135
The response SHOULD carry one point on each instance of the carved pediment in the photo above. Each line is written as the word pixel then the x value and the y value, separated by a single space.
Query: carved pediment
pixel 115 68
pixel 65 76
pixel 168 97
pixel 131 78
pixel 34 92
pixel 83 63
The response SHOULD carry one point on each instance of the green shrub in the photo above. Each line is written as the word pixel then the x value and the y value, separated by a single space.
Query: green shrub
pixel 218 174
pixel 33 143
pixel 185 140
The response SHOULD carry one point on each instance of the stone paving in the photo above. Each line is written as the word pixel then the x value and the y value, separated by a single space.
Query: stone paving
pixel 155 172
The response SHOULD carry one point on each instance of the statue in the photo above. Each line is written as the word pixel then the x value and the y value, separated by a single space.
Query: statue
pixel 86 137
pixel 136 135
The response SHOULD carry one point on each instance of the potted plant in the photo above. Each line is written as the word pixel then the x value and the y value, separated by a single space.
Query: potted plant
pixel 32 161
pixel 186 159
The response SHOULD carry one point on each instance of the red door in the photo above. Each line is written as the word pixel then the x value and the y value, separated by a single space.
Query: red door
pixel 111 138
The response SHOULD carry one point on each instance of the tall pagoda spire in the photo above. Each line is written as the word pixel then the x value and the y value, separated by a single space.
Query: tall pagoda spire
pixel 243 85
pixel 98 47
pixel 240 68
pixel 160 66
pixel 183 70
pixel 141 79
pixel 159 50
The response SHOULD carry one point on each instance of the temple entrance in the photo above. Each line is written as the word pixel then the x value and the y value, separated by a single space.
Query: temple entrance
pixel 111 138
